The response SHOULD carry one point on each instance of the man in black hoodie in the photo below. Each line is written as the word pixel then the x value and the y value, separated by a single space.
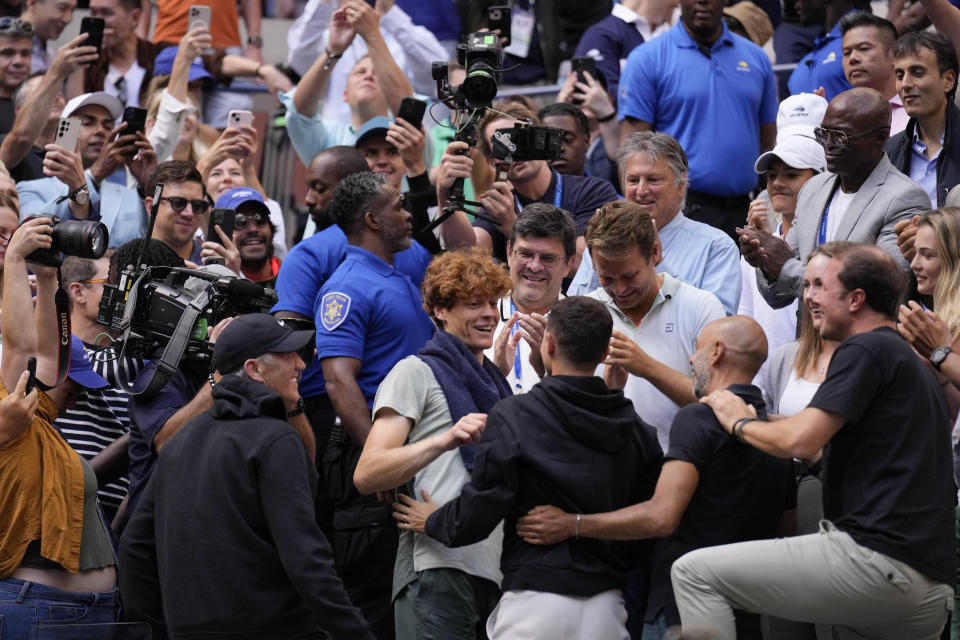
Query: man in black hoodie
pixel 570 442
pixel 225 542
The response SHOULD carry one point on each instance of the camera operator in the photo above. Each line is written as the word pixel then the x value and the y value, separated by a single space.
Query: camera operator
pixel 76 188
pixel 56 552
pixel 528 182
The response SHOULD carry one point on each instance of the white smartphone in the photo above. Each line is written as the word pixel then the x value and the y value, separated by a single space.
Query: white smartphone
pixel 239 118
pixel 68 132
pixel 199 15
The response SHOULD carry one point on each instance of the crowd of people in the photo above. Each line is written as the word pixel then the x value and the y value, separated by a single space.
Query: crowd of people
pixel 696 375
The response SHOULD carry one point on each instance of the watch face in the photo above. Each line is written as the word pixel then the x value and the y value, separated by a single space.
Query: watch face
pixel 81 198
pixel 939 355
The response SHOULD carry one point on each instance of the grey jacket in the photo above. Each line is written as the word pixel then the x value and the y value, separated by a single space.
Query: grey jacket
pixel 777 374
pixel 886 197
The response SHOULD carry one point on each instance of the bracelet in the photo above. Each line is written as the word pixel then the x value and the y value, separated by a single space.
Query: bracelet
pixel 737 431
pixel 613 114
pixel 259 66
pixel 213 382
pixel 576 533
pixel 298 411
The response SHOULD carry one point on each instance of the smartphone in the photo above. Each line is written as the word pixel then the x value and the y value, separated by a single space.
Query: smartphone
pixel 93 27
pixel 68 131
pixel 412 111
pixel 32 380
pixel 579 65
pixel 239 118
pixel 199 16
pixel 136 119
pixel 498 17
pixel 223 217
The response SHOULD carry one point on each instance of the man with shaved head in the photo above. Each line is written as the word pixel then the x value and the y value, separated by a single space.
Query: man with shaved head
pixel 859 198
pixel 712 489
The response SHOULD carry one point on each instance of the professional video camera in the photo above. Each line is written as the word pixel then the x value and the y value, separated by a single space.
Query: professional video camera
pixel 482 56
pixel 163 313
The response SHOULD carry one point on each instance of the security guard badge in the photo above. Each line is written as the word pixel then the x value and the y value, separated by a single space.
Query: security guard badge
pixel 335 307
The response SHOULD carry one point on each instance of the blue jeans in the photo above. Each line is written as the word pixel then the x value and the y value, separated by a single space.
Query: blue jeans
pixel 36 612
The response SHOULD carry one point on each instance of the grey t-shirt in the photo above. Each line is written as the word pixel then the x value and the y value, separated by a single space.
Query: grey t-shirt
pixel 411 390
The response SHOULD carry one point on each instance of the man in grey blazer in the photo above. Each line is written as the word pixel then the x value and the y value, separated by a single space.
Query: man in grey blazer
pixel 859 198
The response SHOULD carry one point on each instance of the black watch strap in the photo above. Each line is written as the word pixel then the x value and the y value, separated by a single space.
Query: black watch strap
pixel 939 355
pixel 299 410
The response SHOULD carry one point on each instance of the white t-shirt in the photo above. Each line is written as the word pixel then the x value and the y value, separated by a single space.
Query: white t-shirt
pixel 796 395
pixel 838 209
pixel 412 390
pixel 668 333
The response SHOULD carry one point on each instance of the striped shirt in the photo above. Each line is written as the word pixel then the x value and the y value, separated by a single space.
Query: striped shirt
pixel 99 417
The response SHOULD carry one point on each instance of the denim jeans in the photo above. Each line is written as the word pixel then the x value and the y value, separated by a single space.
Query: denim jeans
pixel 31 611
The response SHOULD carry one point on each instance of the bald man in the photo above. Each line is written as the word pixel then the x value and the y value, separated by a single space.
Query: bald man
pixel 859 198
pixel 712 490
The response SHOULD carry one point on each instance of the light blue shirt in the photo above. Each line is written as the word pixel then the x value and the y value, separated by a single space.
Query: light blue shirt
pixel 119 208
pixel 310 136
pixel 693 252
pixel 923 171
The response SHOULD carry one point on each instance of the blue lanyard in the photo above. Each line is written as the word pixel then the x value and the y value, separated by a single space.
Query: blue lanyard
pixel 557 194
pixel 823 224
pixel 517 360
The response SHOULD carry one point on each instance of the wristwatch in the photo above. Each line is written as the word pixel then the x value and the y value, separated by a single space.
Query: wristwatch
pixel 255 41
pixel 299 410
pixel 80 195
pixel 939 355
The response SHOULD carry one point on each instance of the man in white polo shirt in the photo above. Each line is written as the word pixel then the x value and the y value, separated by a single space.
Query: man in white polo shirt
pixel 542 244
pixel 656 318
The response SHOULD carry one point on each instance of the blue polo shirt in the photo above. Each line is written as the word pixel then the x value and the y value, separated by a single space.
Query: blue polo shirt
pixel 822 67
pixel 370 311
pixel 308 266
pixel 713 106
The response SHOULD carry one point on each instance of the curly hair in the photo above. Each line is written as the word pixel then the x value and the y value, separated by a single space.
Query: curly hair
pixel 462 274
pixel 352 198
pixel 157 254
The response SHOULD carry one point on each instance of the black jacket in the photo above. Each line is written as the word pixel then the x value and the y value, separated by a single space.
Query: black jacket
pixel 570 442
pixel 900 150
pixel 225 543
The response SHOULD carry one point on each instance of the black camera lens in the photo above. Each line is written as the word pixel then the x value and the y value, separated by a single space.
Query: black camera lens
pixel 480 84
pixel 81 238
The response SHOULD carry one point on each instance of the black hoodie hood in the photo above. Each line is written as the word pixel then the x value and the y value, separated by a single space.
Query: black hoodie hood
pixel 236 398
pixel 592 413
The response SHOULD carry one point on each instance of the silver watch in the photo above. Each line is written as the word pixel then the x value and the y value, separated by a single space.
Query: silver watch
pixel 939 355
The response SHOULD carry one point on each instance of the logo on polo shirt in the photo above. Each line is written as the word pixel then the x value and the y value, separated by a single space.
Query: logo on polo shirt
pixel 669 328
pixel 743 66
pixel 335 306
pixel 830 58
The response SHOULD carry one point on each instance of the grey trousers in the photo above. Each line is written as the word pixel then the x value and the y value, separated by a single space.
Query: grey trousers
pixel 823 577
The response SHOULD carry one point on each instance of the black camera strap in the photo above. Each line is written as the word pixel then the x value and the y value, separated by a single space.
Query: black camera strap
pixel 61 301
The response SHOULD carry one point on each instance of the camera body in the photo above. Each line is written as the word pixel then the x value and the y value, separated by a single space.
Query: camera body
pixel 147 309
pixel 81 238
pixel 481 55
pixel 526 142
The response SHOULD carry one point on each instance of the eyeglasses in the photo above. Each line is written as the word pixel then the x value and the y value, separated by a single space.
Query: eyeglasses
pixel 179 204
pixel 840 139
pixel 95 281
pixel 259 219
pixel 16 25
pixel 546 259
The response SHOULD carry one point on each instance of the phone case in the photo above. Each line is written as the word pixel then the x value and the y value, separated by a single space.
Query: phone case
pixel 199 15
pixel 93 27
pixel 135 118
pixel 223 217
pixel 412 111
pixel 68 132
pixel 239 118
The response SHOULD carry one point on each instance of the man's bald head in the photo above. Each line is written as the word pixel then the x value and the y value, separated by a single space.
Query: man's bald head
pixel 855 129
pixel 862 108
pixel 729 351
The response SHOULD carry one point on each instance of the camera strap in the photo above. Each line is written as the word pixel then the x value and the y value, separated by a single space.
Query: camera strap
pixel 61 301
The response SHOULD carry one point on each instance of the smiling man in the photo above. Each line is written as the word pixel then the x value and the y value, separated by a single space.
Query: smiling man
pixel 928 151
pixel 49 18
pixel 76 186
pixel 127 61
pixel 252 234
pixel 14 67
pixel 859 198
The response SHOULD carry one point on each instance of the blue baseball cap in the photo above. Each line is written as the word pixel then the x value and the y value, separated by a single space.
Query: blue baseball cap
pixel 239 196
pixel 163 65
pixel 81 370
pixel 380 125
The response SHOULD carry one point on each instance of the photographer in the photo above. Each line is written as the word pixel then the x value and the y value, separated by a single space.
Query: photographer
pixel 48 492
pixel 75 187
pixel 528 182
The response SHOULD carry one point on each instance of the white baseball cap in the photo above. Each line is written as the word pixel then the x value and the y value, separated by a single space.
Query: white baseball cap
pixel 797 151
pixel 799 115
pixel 99 98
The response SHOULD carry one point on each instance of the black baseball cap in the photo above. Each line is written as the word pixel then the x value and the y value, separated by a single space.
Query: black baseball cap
pixel 253 335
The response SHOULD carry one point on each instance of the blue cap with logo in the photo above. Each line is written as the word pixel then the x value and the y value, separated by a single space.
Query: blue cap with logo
pixel 239 196
pixel 81 370
pixel 163 65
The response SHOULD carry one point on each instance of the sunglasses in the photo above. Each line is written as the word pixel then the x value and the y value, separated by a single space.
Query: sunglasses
pixel 259 219
pixel 16 25
pixel 95 281
pixel 180 204
pixel 839 138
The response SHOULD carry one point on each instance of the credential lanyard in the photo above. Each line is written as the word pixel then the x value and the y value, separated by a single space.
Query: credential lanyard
pixel 517 360
pixel 557 194
pixel 822 236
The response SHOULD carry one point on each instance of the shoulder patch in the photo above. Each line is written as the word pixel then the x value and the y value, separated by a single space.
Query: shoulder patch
pixel 334 309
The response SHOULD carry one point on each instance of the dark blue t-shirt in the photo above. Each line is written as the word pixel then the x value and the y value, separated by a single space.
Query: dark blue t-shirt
pixel 609 42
